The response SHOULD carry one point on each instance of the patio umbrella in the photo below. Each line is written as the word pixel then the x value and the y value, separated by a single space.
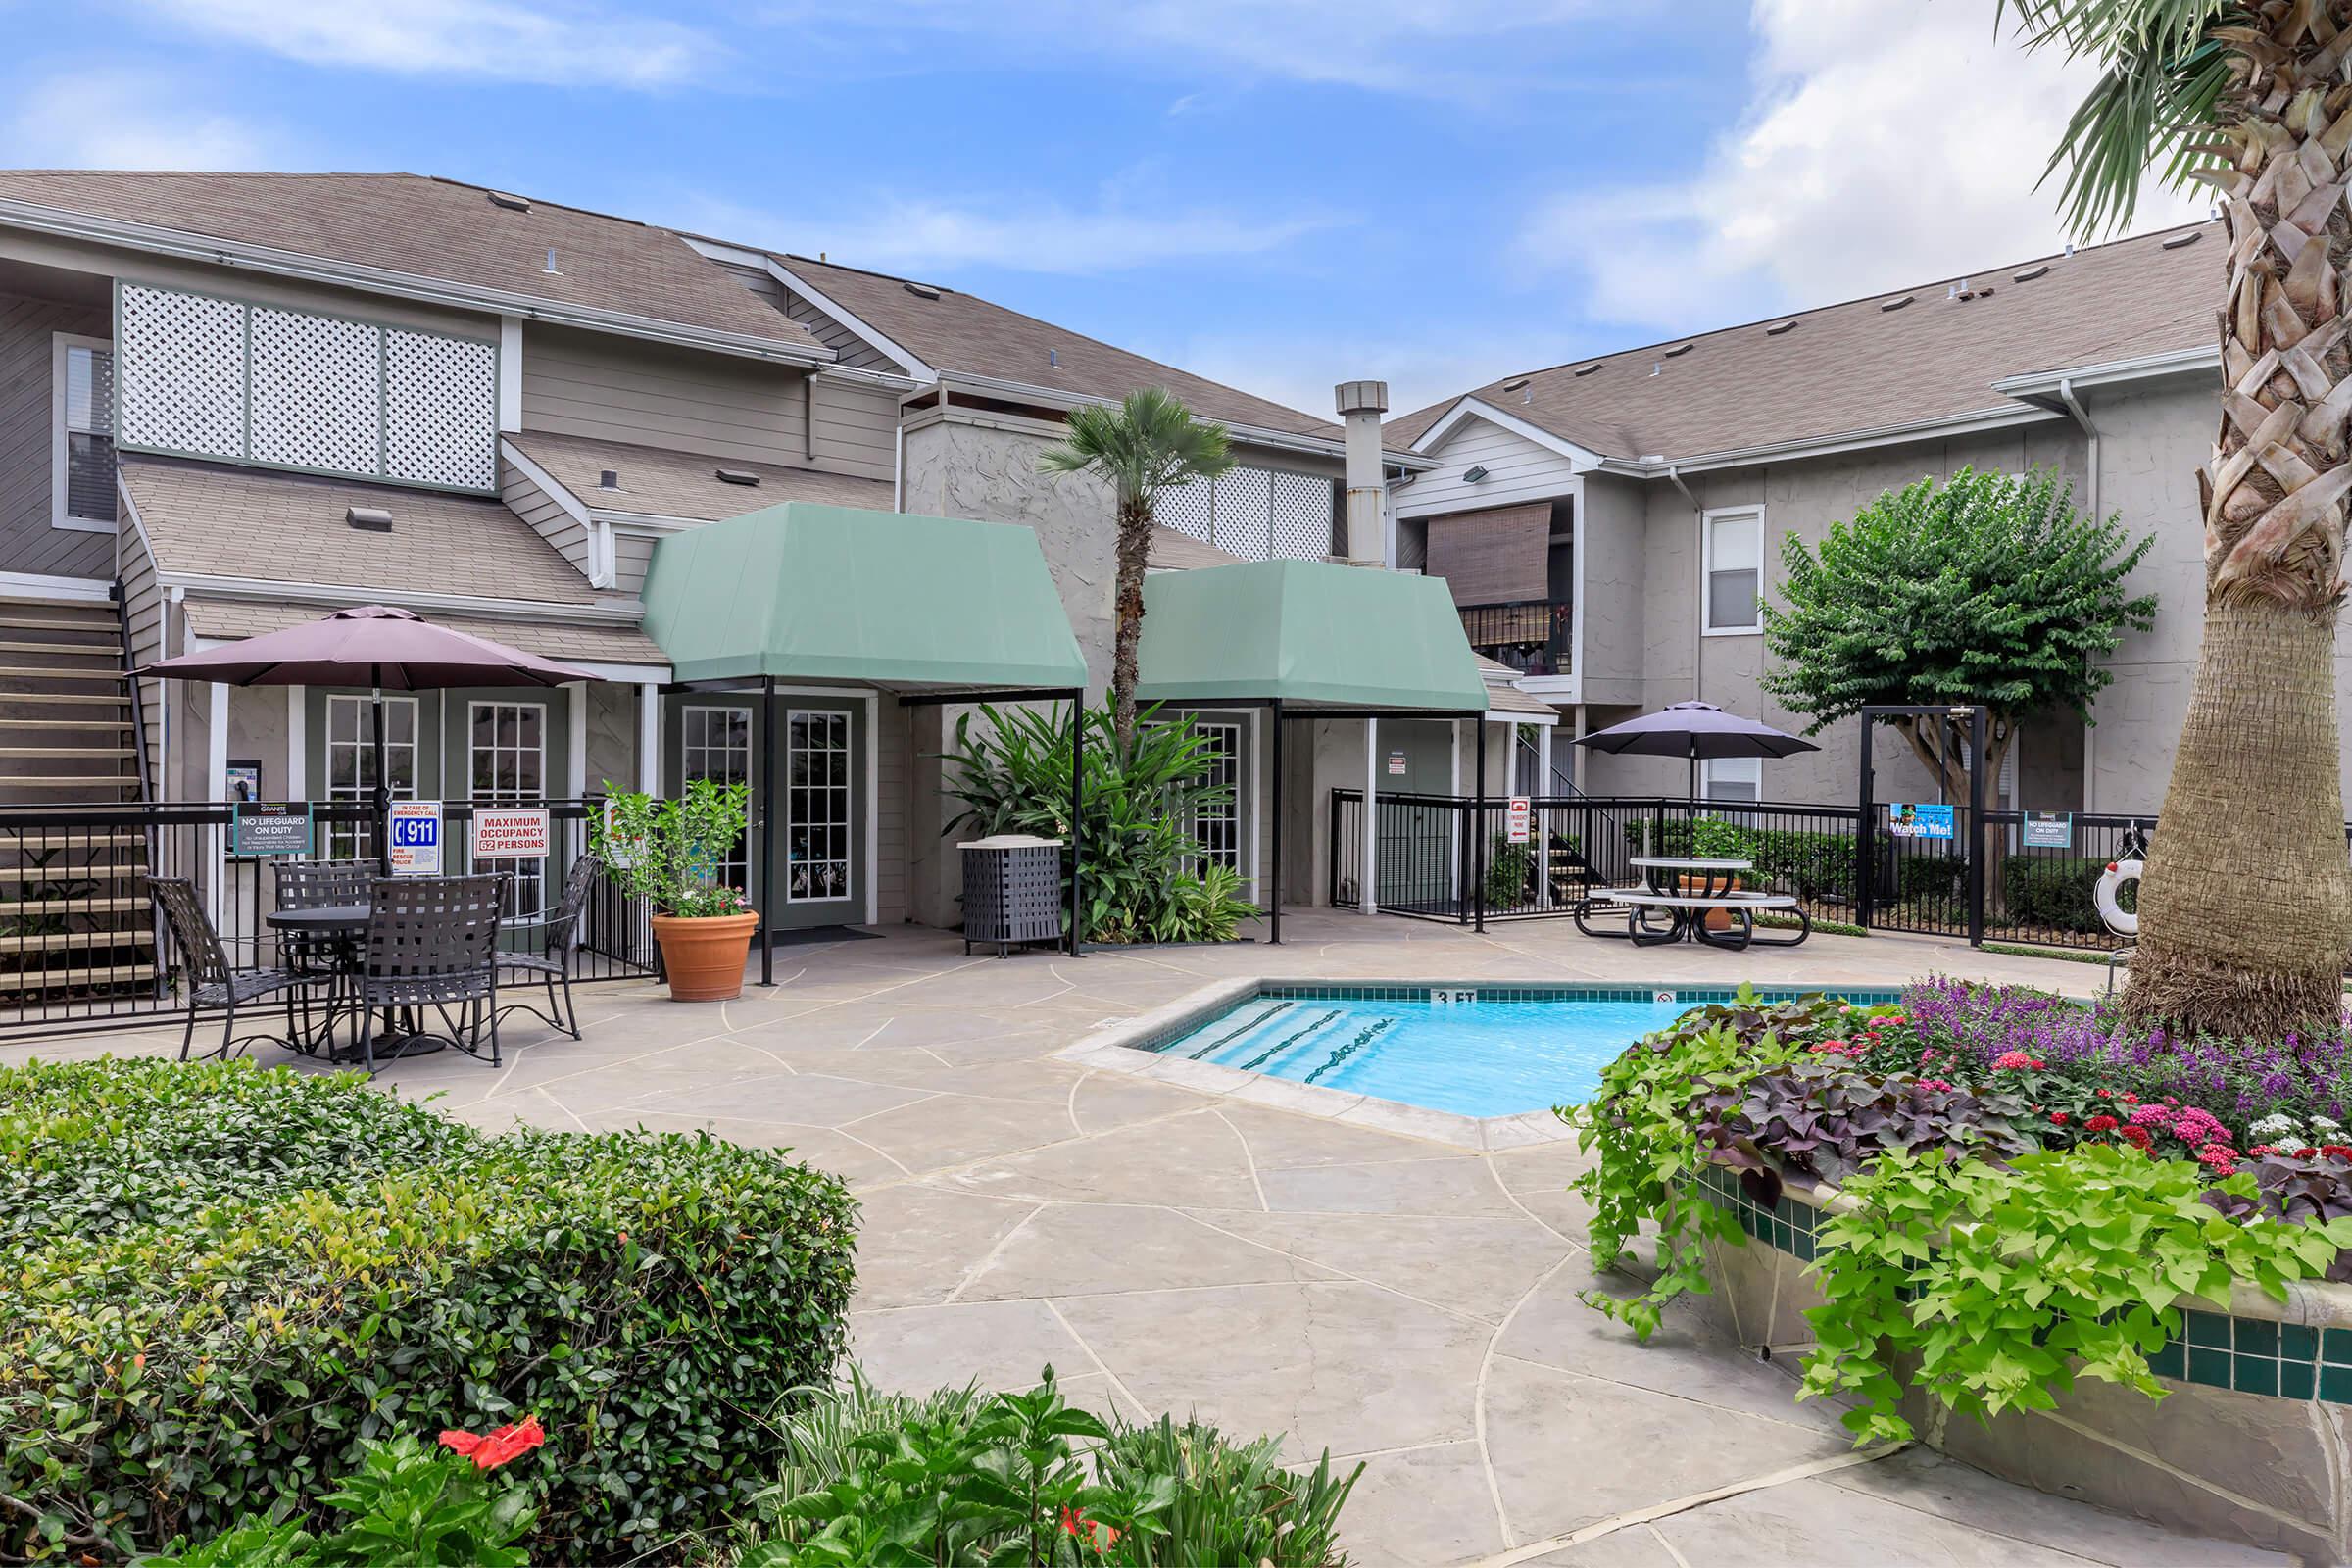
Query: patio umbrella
pixel 1694 730
pixel 377 647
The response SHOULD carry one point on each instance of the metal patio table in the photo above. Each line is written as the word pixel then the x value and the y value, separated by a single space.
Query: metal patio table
pixel 1667 876
pixel 347 925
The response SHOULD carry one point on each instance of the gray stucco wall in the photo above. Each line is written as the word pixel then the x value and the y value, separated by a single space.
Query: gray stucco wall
pixel 1612 544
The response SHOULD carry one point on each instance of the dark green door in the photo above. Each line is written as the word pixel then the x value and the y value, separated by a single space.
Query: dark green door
pixel 820 805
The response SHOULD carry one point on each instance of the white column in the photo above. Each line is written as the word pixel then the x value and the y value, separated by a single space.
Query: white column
pixel 649 739
pixel 509 373
pixel 873 808
pixel 1367 896
pixel 298 743
pixel 575 761
pixel 216 788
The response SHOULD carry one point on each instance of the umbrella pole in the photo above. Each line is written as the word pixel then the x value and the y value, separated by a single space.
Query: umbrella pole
pixel 382 795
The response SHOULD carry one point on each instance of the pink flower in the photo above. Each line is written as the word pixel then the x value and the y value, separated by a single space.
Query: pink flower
pixel 2013 1061
pixel 1934 1083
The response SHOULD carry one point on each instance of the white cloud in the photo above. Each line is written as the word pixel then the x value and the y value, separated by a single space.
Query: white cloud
pixel 1020 235
pixel 557 44
pixel 114 118
pixel 1883 144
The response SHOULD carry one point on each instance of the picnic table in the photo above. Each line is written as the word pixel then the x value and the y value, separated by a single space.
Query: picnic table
pixel 1667 890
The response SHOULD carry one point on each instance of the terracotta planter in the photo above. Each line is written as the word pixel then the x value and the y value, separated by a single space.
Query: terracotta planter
pixel 1718 919
pixel 704 957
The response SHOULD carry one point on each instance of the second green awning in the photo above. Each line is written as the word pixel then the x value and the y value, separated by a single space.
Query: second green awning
pixel 1306 632
pixel 879 597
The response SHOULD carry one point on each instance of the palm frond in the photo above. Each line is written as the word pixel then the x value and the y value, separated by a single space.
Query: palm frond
pixel 1149 443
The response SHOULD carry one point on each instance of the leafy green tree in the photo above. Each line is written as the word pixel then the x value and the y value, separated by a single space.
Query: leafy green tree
pixel 1986 588
pixel 1149 443
pixel 2246 912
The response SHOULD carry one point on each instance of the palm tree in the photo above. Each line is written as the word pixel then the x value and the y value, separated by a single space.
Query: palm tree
pixel 1147 444
pixel 2246 911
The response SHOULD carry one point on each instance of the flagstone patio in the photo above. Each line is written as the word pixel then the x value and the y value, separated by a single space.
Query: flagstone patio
pixel 1407 1302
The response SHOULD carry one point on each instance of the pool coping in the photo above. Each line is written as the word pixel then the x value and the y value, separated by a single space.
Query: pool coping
pixel 1120 1047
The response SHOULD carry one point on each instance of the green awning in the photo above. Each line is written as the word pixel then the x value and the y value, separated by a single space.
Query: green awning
pixel 877 598
pixel 1308 632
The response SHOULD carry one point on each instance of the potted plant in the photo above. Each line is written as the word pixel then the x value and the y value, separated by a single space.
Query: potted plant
pixel 667 853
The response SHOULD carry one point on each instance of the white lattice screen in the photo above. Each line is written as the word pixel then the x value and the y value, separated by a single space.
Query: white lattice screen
pixel 441 410
pixel 314 391
pixel 1256 513
pixel 179 368
pixel 1187 508
pixel 1300 514
pixel 221 378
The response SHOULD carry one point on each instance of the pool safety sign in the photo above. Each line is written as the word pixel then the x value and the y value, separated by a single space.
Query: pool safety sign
pixel 1396 765
pixel 1515 819
pixel 1920 821
pixel 2049 830
pixel 503 834
pixel 416 846
pixel 270 827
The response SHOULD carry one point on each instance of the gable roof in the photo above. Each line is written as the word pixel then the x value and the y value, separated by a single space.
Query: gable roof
pixel 659 482
pixel 435 229
pixel 1858 366
pixel 960 331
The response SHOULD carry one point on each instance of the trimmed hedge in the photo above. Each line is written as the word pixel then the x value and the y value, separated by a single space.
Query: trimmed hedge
pixel 218 1327
pixel 1810 865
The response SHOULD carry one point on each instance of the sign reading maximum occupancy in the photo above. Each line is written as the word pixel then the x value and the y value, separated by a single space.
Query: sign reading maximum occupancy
pixel 511 834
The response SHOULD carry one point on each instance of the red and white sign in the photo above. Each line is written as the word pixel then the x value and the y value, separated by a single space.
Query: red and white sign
pixel 1515 819
pixel 503 834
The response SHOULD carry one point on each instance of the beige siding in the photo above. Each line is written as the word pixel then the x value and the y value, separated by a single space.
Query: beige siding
pixel 28 540
pixel 853 428
pixel 546 515
pixel 143 608
pixel 632 554
pixel 609 389
pixel 1517 469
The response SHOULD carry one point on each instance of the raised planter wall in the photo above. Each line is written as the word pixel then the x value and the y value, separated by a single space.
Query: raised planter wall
pixel 2252 1443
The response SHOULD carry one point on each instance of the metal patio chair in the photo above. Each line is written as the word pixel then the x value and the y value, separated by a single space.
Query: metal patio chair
pixel 213 981
pixel 432 942
pixel 557 948
pixel 319 885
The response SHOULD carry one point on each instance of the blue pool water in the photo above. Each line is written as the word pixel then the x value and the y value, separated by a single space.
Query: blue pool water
pixel 1476 1058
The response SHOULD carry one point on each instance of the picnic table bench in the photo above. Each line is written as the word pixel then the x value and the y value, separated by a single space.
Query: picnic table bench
pixel 1686 917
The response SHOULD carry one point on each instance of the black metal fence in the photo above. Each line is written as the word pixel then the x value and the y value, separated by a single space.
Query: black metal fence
pixel 81 945
pixel 1444 856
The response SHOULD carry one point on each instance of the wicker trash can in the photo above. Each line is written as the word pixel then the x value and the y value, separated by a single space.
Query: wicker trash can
pixel 1011 890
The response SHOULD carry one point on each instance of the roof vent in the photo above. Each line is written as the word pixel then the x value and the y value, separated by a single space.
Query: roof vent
pixel 550 268
pixel 1778 328
pixel 1053 355
pixel 609 479
pixel 1680 349
pixel 1956 291
pixel 513 204
pixel 1513 386
pixel 1588 370
pixel 2031 274
pixel 737 476
pixel 1474 473
pixel 1897 305
pixel 921 291
pixel 2070 247
pixel 375 519
pixel 1528 395
pixel 2179 240
pixel 1656 367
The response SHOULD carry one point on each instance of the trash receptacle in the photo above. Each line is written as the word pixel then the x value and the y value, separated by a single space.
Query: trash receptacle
pixel 1011 890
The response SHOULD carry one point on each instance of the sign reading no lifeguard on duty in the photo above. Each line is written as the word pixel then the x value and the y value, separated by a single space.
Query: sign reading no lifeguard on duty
pixel 507 834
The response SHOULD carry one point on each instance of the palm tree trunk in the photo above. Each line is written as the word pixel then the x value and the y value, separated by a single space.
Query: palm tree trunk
pixel 1127 596
pixel 2246 911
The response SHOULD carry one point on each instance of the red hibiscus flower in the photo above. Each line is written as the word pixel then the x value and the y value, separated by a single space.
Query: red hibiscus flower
pixel 2100 1124
pixel 490 1449
pixel 2137 1136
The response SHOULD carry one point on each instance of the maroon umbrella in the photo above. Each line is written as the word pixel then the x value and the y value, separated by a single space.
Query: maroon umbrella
pixel 1694 730
pixel 373 646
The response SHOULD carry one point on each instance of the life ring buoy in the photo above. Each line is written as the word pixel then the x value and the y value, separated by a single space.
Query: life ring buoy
pixel 2122 923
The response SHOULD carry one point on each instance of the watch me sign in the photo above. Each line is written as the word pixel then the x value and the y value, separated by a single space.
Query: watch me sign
pixel 504 834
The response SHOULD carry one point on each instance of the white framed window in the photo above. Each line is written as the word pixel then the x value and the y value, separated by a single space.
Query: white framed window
pixel 81 433
pixel 716 745
pixel 506 765
pixel 1216 826
pixel 1732 541
pixel 351 761
pixel 1733 780
pixel 816 805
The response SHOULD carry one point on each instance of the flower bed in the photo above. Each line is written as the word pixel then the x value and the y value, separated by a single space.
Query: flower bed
pixel 2003 1205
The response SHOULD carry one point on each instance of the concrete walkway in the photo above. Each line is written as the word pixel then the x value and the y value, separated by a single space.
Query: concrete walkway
pixel 1408 1303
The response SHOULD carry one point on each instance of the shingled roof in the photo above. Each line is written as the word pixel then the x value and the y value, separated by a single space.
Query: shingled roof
pixel 431 228
pixel 1870 363
pixel 952 331
pixel 659 482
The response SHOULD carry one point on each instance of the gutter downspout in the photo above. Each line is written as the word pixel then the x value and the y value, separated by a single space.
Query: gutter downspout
pixel 1698 567
pixel 2090 460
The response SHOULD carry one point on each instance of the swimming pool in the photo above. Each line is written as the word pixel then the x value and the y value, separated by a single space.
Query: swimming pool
pixel 1470 1050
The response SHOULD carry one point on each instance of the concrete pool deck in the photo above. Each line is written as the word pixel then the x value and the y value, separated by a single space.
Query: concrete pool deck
pixel 1402 1299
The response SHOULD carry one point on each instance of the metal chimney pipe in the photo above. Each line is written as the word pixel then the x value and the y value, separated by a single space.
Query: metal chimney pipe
pixel 1361 404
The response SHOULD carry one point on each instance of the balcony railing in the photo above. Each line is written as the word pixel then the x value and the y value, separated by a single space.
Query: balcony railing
pixel 1531 635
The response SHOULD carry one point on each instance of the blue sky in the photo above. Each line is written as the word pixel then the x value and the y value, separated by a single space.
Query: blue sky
pixel 1278 193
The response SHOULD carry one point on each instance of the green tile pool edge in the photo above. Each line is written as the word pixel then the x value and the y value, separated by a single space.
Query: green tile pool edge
pixel 2249 1355
pixel 1356 991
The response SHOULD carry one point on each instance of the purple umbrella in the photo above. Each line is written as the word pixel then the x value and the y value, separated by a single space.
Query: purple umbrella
pixel 373 646
pixel 1694 730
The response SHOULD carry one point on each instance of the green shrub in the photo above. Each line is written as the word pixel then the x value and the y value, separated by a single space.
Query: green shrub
pixel 229 1345
pixel 1510 873
pixel 2054 893
pixel 1799 861
pixel 1929 878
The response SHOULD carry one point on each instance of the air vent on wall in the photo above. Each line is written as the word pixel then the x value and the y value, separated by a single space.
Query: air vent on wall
pixel 513 204
pixel 737 476
pixel 375 519
pixel 2179 240
pixel 921 291
pixel 1895 305
pixel 1474 473
pixel 2031 274
pixel 1778 328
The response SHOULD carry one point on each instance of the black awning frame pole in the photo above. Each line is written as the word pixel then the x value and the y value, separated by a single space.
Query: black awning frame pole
pixel 1077 812
pixel 768 830
pixel 1478 828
